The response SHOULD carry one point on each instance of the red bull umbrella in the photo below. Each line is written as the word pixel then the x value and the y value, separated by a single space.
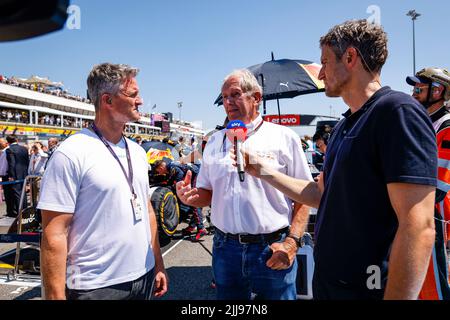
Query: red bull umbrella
pixel 157 150
pixel 285 78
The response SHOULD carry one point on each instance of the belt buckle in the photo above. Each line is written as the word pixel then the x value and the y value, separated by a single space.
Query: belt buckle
pixel 239 238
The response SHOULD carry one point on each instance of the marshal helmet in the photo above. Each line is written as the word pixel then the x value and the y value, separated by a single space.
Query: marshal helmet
pixel 430 75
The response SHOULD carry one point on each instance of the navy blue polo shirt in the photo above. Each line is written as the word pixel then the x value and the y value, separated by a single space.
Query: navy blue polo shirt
pixel 177 172
pixel 390 139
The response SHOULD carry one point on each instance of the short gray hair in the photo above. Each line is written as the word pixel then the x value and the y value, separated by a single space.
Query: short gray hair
pixel 247 81
pixel 107 78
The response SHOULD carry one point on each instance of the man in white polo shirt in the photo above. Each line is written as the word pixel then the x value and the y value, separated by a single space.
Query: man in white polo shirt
pixel 99 228
pixel 254 248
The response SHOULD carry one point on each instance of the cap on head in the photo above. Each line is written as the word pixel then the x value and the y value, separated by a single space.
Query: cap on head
pixel 430 76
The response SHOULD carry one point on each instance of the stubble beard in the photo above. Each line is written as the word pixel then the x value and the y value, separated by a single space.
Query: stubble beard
pixel 334 92
pixel 338 89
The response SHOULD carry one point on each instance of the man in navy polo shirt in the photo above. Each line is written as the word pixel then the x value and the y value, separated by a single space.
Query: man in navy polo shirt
pixel 376 196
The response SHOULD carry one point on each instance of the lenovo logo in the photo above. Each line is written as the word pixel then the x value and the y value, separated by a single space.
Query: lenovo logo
pixel 286 119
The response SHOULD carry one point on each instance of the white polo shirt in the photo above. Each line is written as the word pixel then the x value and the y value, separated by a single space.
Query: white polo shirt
pixel 252 206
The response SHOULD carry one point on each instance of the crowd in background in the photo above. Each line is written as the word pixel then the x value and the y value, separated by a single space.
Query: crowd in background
pixel 54 91
pixel 19 116
pixel 18 161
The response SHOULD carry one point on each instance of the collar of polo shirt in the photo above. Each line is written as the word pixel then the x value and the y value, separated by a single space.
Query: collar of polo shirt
pixel 254 124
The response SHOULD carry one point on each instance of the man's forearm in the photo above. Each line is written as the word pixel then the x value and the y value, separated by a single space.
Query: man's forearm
pixel 408 262
pixel 302 191
pixel 300 217
pixel 53 265
pixel 155 239
pixel 413 242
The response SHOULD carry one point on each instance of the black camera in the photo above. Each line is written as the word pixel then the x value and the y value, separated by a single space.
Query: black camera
pixel 29 18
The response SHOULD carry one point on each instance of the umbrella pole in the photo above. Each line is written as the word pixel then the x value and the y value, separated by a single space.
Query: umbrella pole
pixel 264 99
pixel 279 113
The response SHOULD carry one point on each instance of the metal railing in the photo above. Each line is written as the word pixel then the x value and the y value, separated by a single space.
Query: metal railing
pixel 19 236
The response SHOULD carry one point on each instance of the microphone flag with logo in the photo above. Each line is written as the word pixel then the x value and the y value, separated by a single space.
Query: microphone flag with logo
pixel 237 133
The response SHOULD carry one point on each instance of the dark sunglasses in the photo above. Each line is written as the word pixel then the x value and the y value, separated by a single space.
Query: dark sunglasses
pixel 418 90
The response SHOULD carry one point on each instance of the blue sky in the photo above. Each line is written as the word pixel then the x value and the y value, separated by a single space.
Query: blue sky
pixel 185 48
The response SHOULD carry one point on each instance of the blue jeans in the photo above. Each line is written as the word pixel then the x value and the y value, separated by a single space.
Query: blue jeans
pixel 240 270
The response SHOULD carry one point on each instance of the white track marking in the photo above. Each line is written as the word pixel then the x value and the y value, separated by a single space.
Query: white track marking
pixel 19 290
pixel 20 283
pixel 172 247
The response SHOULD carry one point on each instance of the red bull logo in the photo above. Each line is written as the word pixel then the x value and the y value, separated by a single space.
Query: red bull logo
pixel 156 154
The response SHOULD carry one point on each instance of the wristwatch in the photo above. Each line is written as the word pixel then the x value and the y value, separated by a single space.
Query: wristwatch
pixel 298 240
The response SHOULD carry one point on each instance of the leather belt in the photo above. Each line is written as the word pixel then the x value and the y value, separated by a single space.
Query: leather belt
pixel 247 238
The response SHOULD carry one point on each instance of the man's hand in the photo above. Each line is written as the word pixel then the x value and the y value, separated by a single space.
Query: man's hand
pixel 253 164
pixel 185 192
pixel 320 182
pixel 283 255
pixel 161 281
pixel 301 191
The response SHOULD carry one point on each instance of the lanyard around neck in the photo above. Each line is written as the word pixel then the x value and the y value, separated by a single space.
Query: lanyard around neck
pixel 130 167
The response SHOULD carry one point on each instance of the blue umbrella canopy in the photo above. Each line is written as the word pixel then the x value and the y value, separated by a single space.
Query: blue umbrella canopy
pixel 285 78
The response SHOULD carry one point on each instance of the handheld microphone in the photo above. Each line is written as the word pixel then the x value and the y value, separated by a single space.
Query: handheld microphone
pixel 236 133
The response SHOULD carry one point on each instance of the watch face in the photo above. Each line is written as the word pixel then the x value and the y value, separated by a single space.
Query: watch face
pixel 297 240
